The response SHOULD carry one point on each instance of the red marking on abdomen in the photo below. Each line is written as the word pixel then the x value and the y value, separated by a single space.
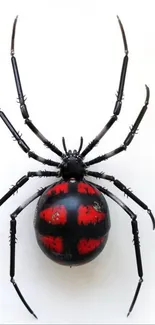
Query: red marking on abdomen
pixel 53 243
pixel 86 246
pixel 63 187
pixel 86 189
pixel 56 215
pixel 88 214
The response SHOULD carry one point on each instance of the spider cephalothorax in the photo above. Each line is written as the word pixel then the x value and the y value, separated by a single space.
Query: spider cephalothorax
pixel 72 165
pixel 72 219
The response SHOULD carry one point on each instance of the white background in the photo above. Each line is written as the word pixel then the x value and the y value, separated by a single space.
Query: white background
pixel 70 55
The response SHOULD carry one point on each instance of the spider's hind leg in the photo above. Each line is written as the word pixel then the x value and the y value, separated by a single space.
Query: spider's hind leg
pixel 13 217
pixel 136 241
pixel 124 189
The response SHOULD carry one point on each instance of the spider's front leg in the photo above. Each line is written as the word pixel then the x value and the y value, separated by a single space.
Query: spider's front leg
pixel 125 190
pixel 118 103
pixel 21 98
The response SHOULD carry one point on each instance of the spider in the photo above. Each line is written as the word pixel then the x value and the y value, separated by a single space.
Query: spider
pixel 72 220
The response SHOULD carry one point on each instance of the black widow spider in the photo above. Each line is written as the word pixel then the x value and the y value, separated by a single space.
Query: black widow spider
pixel 72 171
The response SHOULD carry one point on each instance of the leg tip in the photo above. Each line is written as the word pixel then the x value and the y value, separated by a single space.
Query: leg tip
pixel 147 94
pixel 128 313
pixel 34 315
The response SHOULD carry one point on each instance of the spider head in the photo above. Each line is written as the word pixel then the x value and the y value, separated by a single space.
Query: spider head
pixel 72 166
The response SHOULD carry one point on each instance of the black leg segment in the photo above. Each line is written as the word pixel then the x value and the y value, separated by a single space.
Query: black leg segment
pixel 129 137
pixel 81 145
pixel 23 180
pixel 44 161
pixel 134 225
pixel 21 98
pixel 118 103
pixel 64 145
pixel 125 190
pixel 135 232
pixel 23 144
pixel 13 243
pixel 15 134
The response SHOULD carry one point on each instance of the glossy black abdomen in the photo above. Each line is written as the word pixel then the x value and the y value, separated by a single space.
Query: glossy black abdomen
pixel 72 222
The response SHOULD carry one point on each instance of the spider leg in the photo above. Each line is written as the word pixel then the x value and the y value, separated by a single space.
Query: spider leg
pixel 124 189
pixel 118 103
pixel 13 217
pixel 21 98
pixel 64 145
pixel 81 145
pixel 129 137
pixel 135 231
pixel 24 180
pixel 23 144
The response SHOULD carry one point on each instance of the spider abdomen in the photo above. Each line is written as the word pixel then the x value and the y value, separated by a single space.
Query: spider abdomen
pixel 72 222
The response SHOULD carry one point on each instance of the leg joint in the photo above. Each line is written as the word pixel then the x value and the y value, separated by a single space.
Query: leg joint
pixel 13 216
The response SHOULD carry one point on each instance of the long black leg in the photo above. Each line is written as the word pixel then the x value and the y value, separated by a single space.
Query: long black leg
pixel 13 242
pixel 118 103
pixel 21 98
pixel 124 189
pixel 81 144
pixel 24 179
pixel 135 232
pixel 23 144
pixel 129 137
pixel 44 161
pixel 64 145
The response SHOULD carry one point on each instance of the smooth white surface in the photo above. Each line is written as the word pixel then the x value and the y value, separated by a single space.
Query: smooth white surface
pixel 70 55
